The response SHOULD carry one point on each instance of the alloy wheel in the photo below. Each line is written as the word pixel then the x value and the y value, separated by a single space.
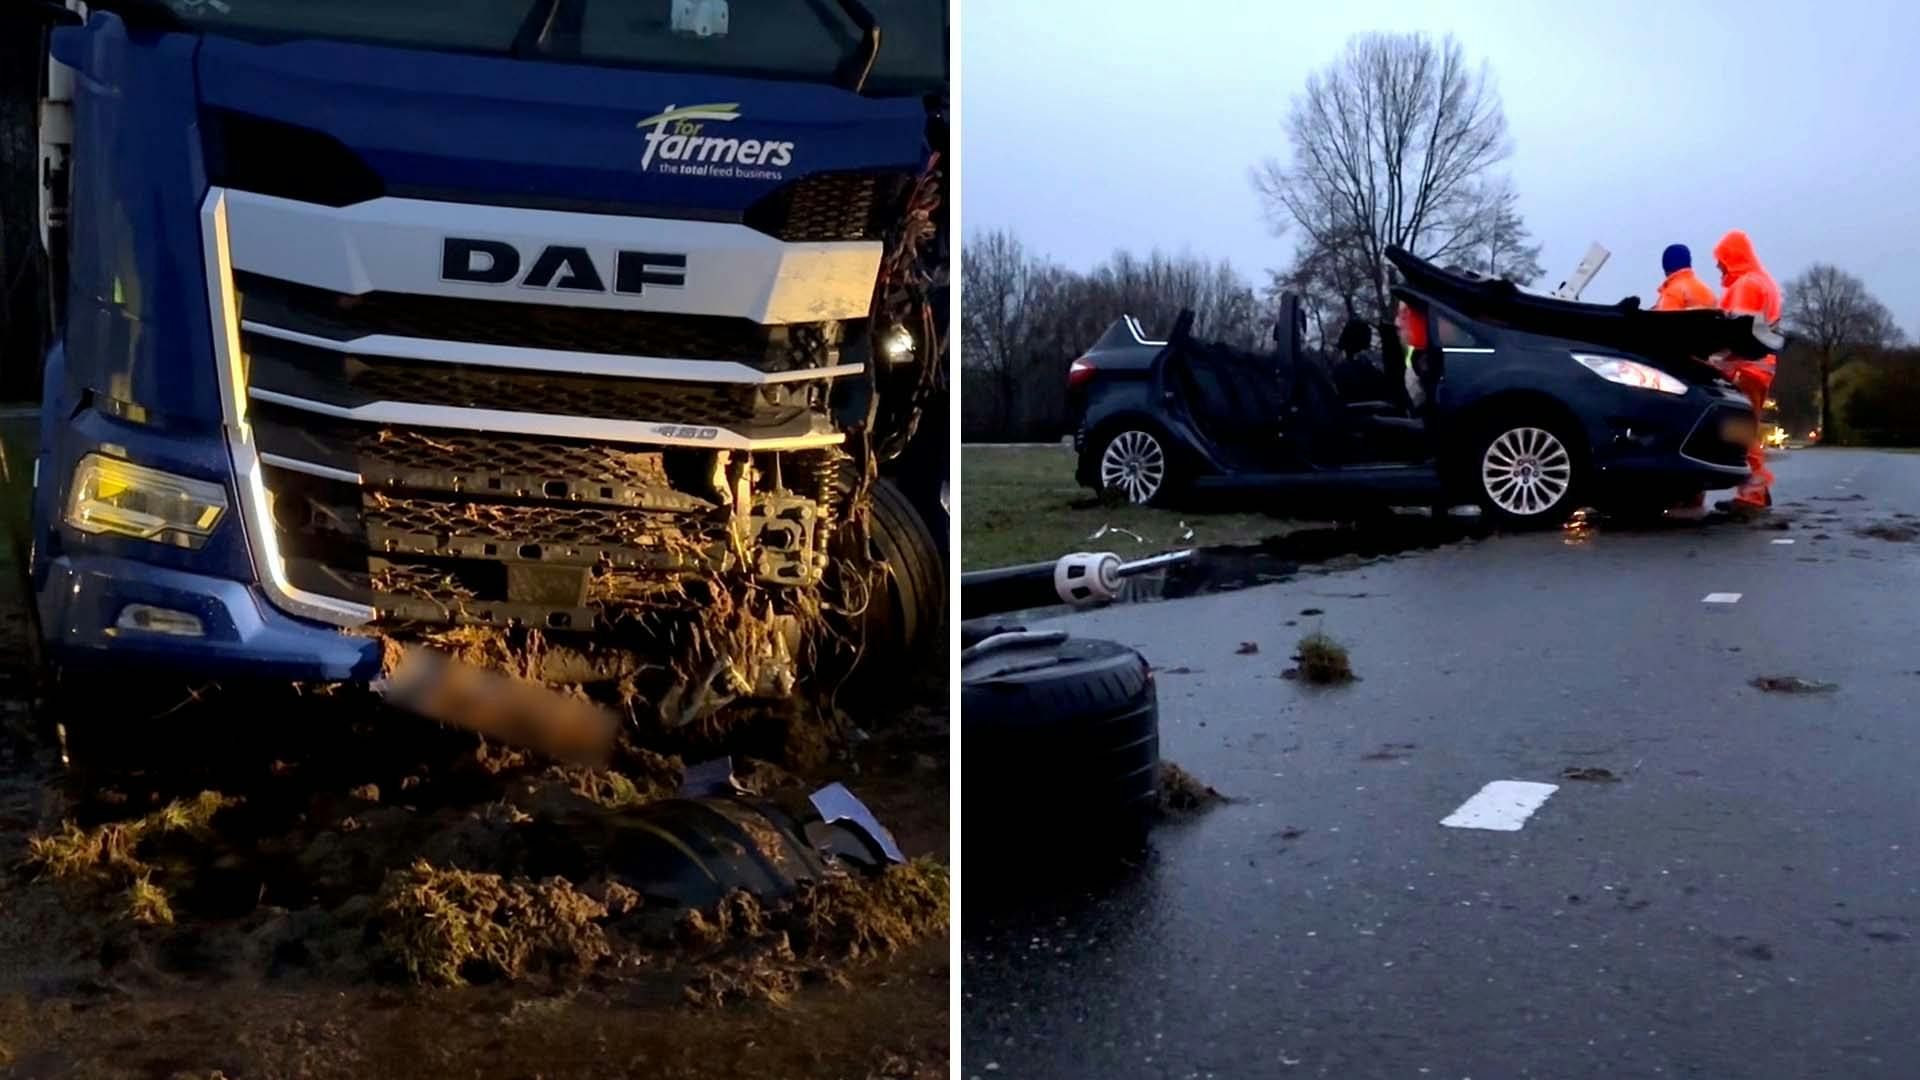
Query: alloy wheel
pixel 1134 464
pixel 1526 471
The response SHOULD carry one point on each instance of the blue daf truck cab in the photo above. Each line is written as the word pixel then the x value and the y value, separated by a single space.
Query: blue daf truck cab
pixel 597 317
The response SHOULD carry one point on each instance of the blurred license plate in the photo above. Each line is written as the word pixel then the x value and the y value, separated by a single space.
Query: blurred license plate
pixel 1738 429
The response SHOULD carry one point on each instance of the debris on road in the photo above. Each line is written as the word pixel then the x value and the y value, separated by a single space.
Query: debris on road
pixel 1309 613
pixel 1897 534
pixel 1791 684
pixel 1181 793
pixel 1322 661
pixel 1590 773
pixel 1247 648
pixel 1389 752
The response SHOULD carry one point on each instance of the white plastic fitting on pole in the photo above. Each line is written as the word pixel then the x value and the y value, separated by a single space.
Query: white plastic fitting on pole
pixel 1087 577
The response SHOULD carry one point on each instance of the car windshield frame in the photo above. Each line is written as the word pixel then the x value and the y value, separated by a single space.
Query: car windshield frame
pixel 808 45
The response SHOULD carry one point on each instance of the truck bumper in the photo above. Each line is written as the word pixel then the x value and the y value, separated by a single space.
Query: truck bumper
pixel 84 595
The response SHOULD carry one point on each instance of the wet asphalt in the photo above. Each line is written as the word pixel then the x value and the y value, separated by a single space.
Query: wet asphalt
pixel 1743 901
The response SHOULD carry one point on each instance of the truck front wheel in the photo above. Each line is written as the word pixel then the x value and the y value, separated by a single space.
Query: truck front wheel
pixel 905 626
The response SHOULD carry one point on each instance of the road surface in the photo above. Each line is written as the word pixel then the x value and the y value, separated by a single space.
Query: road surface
pixel 1742 902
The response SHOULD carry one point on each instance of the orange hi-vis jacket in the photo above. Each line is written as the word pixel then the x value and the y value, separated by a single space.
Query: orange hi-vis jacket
pixel 1683 289
pixel 1750 289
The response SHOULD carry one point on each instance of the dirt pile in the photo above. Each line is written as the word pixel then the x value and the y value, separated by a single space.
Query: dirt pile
pixel 766 951
pixel 450 927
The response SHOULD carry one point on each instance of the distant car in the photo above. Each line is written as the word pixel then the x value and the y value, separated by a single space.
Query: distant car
pixel 1533 407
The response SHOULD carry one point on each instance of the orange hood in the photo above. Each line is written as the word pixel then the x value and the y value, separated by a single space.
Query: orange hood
pixel 1735 252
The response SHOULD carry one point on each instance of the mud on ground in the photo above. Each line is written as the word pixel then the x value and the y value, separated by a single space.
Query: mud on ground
pixel 319 886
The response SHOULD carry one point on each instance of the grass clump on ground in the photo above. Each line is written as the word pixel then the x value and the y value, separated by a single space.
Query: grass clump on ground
pixel 107 857
pixel 1323 661
pixel 1182 793
pixel 449 927
pixel 1023 505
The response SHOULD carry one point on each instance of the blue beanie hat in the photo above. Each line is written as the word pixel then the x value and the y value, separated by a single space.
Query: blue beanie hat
pixel 1676 257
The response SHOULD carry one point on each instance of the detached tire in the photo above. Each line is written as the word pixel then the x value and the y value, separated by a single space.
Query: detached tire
pixel 1061 741
pixel 1527 471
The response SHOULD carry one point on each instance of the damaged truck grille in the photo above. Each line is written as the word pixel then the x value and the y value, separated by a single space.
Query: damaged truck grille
pixel 342 380
pixel 409 472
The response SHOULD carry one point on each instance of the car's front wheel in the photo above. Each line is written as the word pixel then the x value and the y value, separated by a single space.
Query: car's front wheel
pixel 1134 462
pixel 1528 472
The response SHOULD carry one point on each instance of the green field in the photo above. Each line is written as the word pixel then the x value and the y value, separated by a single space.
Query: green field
pixel 1019 504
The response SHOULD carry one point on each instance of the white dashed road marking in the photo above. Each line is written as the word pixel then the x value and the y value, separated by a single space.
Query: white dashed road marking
pixel 1503 806
pixel 1783 541
pixel 1722 598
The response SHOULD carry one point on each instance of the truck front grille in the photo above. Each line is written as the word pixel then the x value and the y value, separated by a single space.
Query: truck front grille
pixel 831 206
pixel 449 460
pixel 344 380
pixel 344 317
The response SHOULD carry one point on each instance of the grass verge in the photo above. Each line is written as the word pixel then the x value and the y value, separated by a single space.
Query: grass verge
pixel 1021 505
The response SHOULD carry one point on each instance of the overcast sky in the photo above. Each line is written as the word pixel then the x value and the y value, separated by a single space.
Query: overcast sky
pixel 1089 125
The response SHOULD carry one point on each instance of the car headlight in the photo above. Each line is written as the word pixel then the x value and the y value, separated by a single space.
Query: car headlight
pixel 1628 373
pixel 117 497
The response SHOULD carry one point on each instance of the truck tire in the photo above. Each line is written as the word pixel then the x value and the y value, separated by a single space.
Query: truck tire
pixel 905 626
pixel 1061 739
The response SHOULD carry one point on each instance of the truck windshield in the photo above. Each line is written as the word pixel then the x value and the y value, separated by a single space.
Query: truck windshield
pixel 775 39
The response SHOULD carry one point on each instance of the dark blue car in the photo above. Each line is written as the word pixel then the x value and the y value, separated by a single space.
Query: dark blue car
pixel 1531 407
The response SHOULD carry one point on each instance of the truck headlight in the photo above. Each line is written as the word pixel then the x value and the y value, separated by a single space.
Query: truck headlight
pixel 1628 373
pixel 117 497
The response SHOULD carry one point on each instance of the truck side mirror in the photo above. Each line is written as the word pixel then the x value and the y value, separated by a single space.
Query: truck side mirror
pixel 54 14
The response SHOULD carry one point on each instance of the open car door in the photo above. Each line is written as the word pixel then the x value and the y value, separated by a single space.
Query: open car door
pixel 1233 399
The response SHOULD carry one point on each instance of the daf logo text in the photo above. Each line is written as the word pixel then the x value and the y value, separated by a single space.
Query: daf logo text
pixel 480 261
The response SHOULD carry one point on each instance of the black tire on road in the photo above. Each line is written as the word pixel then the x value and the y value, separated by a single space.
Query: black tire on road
pixel 1061 740
pixel 1527 471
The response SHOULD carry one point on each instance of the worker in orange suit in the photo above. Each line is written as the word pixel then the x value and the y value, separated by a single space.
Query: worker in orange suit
pixel 1750 290
pixel 1683 288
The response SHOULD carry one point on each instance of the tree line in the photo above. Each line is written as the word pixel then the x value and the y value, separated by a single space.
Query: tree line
pixel 1397 143
pixel 1024 318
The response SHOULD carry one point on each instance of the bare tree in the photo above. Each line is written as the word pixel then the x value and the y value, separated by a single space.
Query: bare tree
pixel 1392 145
pixel 1836 315
pixel 998 286
pixel 1024 320
pixel 1503 239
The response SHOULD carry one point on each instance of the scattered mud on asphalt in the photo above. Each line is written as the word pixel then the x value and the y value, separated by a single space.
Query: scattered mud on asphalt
pixel 316 885
pixel 1891 532
pixel 1792 684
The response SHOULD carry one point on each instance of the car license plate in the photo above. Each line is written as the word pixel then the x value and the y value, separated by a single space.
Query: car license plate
pixel 1737 429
